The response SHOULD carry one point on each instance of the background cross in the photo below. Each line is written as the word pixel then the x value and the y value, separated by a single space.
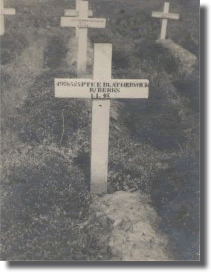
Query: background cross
pixel 69 12
pixel 75 13
pixel 82 23
pixel 165 15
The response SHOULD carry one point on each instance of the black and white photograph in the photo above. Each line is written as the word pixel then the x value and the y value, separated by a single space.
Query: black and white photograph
pixel 100 132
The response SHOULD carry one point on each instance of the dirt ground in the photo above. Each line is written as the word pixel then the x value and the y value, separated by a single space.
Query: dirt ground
pixel 134 235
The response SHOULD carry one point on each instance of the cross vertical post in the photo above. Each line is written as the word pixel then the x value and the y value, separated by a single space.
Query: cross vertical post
pixel 75 13
pixel 3 12
pixel 2 29
pixel 82 40
pixel 68 12
pixel 100 121
pixel 164 21
pixel 82 23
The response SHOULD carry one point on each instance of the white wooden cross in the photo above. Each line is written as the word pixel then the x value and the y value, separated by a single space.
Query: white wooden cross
pixel 3 12
pixel 82 23
pixel 165 15
pixel 101 89
pixel 75 13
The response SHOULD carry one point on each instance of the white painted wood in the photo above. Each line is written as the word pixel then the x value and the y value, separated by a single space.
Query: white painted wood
pixel 71 13
pixel 164 21
pixel 81 24
pixel 111 89
pixel 82 40
pixel 82 51
pixel 102 61
pixel 9 11
pixel 163 29
pixel 2 28
pixel 4 11
pixel 165 15
pixel 99 146
pixel 83 9
pixel 77 4
pixel 82 88
pixel 159 14
pixel 100 121
pixel 75 13
pixel 1 6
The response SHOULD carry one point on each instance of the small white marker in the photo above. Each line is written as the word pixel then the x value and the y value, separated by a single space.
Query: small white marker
pixel 165 15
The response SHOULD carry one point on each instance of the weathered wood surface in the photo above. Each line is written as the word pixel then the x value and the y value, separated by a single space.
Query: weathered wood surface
pixel 101 89
pixel 82 24
pixel 93 88
pixel 69 12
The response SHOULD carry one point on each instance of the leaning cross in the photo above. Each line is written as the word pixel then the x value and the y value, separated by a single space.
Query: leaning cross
pixel 3 12
pixel 82 23
pixel 75 13
pixel 101 89
pixel 165 15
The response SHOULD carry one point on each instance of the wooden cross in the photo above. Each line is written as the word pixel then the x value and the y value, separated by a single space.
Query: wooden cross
pixel 75 13
pixel 82 23
pixel 165 15
pixel 101 89
pixel 3 12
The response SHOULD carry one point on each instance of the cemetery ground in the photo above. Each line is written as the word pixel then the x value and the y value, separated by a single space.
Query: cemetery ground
pixel 47 211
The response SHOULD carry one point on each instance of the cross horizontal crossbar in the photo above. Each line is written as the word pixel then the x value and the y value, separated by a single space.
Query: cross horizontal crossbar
pixel 7 11
pixel 102 89
pixel 76 13
pixel 159 14
pixel 83 23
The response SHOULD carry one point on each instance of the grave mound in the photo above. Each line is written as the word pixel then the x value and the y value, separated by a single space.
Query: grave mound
pixel 54 52
pixel 125 223
pixel 185 60
pixel 179 205
pixel 12 45
pixel 60 121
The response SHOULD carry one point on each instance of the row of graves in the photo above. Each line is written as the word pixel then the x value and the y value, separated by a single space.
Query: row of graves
pixel 101 88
